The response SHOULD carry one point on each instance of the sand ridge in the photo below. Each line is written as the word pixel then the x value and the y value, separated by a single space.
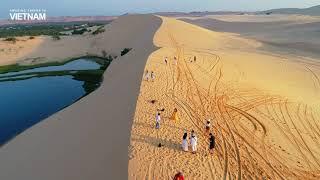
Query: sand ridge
pixel 264 109
pixel 89 139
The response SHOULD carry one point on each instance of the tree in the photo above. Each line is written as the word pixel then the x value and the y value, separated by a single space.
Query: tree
pixel 104 53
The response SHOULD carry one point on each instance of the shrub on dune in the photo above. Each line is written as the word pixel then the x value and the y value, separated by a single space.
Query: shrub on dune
pixel 56 37
pixel 11 39
pixel 125 51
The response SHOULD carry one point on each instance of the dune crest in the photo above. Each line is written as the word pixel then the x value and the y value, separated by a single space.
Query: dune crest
pixel 89 139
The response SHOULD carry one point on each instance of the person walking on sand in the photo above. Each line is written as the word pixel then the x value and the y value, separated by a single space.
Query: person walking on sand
pixel 174 115
pixel 166 60
pixel 175 61
pixel 193 142
pixel 212 142
pixel 152 76
pixel 192 133
pixel 146 75
pixel 178 176
pixel 185 142
pixel 158 119
pixel 194 58
pixel 208 125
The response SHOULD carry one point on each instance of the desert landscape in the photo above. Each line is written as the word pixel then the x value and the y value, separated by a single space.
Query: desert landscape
pixel 256 76
pixel 263 107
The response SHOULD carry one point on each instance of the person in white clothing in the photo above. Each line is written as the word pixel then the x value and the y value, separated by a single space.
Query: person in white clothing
pixel 152 76
pixel 185 142
pixel 158 118
pixel 146 75
pixel 208 125
pixel 193 142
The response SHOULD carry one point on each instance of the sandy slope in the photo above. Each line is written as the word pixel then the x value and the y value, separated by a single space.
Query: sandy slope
pixel 295 19
pixel 11 52
pixel 285 34
pixel 89 139
pixel 263 106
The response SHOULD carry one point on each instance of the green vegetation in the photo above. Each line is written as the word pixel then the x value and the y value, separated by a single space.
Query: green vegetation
pixel 55 37
pixel 103 61
pixel 125 51
pixel 79 31
pixel 48 29
pixel 11 39
pixel 91 78
pixel 104 53
pixel 99 30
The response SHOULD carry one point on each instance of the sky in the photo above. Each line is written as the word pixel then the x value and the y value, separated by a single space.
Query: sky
pixel 118 7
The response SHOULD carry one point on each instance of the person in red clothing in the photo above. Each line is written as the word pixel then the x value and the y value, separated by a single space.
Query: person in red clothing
pixel 178 176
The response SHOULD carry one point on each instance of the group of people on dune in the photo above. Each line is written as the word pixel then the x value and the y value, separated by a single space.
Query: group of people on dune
pixel 193 139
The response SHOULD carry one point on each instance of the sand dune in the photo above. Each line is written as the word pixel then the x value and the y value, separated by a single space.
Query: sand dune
pixel 314 11
pixel 89 139
pixel 264 109
pixel 285 34
pixel 263 106
pixel 295 19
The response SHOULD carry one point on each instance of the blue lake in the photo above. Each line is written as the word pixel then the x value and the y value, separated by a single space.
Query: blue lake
pixel 27 99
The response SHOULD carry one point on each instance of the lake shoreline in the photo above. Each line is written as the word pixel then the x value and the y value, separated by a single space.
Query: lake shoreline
pixel 87 70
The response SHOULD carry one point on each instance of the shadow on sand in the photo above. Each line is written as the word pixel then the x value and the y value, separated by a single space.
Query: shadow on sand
pixel 155 142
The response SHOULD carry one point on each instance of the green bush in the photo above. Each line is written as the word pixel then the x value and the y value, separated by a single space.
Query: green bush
pixel 56 37
pixel 11 39
pixel 80 31
pixel 125 51
pixel 98 31
pixel 104 53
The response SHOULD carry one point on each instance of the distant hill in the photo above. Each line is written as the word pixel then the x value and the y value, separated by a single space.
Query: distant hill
pixel 312 11
pixel 199 13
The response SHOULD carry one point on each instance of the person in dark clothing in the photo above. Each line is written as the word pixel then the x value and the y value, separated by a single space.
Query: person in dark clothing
pixel 185 135
pixel 212 142
pixel 184 144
